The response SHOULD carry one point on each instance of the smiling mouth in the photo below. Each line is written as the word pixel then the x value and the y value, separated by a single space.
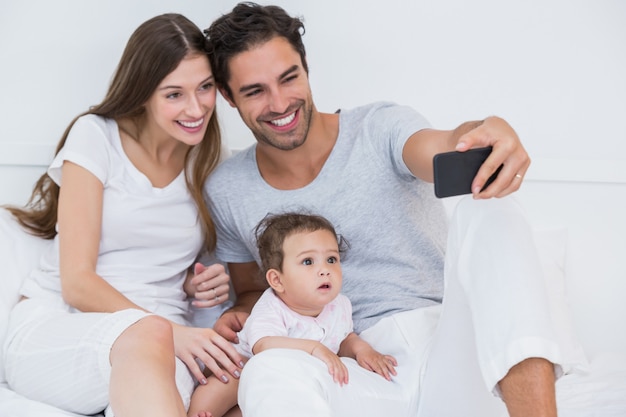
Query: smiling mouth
pixel 284 121
pixel 191 125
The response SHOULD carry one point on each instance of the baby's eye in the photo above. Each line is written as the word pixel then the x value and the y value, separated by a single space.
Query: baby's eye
pixel 332 260
pixel 307 261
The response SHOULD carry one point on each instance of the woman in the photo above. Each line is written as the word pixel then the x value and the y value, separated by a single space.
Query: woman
pixel 101 323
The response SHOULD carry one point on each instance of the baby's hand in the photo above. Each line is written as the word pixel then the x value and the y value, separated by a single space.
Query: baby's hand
pixel 383 365
pixel 335 366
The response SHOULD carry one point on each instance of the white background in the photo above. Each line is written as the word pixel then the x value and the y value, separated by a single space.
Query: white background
pixel 554 68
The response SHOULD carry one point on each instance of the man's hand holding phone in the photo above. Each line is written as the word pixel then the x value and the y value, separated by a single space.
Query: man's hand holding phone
pixel 454 171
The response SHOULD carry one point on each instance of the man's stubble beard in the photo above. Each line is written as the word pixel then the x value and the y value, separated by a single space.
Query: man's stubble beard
pixel 306 112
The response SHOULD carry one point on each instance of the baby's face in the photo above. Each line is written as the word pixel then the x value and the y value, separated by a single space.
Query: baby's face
pixel 311 273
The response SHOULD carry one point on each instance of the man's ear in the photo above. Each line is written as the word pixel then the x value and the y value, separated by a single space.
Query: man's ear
pixel 273 278
pixel 227 96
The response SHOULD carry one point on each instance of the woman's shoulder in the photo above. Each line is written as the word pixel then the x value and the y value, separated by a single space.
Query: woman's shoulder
pixel 94 126
pixel 95 120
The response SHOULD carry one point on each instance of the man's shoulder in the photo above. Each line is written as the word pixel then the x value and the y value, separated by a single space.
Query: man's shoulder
pixel 368 108
pixel 376 112
pixel 381 115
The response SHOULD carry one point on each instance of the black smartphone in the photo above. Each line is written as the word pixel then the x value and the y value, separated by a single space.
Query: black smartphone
pixel 454 171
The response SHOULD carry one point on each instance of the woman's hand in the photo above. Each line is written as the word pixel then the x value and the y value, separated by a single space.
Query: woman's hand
pixel 193 344
pixel 209 285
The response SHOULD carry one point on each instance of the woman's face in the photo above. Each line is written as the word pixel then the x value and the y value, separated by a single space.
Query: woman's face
pixel 182 104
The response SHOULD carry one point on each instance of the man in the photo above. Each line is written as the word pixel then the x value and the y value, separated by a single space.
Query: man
pixel 369 170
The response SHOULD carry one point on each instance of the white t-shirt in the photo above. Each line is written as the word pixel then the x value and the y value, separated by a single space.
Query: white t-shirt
pixel 271 317
pixel 150 236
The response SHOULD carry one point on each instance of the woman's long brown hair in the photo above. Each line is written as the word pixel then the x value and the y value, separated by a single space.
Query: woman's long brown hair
pixel 153 51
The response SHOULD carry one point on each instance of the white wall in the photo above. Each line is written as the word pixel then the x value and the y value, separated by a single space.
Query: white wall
pixel 554 68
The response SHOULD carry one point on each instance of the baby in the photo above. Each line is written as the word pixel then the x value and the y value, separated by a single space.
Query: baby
pixel 303 308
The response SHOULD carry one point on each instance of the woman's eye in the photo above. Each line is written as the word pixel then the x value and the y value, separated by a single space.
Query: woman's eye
pixel 207 86
pixel 172 95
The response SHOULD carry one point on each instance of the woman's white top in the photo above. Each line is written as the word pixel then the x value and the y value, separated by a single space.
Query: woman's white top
pixel 150 236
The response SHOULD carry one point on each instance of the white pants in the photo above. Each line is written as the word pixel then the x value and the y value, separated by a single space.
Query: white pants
pixel 62 358
pixel 495 314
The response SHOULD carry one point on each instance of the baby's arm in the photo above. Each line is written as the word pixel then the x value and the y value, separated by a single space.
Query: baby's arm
pixel 355 347
pixel 336 368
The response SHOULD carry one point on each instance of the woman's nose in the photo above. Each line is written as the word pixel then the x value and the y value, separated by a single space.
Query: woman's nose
pixel 194 108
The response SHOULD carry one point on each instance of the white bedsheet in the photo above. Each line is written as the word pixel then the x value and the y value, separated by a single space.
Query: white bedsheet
pixel 601 393
pixel 14 405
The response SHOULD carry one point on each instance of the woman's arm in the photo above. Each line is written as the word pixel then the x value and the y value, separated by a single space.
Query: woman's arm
pixel 79 223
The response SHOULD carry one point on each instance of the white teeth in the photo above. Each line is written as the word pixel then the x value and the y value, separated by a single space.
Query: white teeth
pixel 191 124
pixel 284 121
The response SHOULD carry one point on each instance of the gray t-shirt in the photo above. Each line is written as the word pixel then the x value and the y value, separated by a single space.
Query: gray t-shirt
pixel 395 226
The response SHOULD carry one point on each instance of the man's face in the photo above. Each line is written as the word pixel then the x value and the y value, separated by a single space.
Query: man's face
pixel 271 91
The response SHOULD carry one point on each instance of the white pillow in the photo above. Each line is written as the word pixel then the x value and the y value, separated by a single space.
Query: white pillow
pixel 19 253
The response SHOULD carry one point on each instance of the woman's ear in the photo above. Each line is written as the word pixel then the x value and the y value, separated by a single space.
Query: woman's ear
pixel 273 279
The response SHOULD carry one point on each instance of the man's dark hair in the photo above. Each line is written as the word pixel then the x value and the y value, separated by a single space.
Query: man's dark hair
pixel 246 26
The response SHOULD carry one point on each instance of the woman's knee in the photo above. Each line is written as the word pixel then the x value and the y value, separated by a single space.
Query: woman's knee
pixel 151 333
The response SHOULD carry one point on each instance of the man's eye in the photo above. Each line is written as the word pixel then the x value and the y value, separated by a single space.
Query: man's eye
pixel 290 78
